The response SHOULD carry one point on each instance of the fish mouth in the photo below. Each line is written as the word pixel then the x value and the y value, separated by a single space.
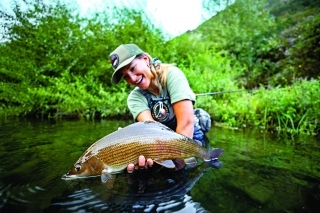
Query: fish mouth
pixel 73 177
pixel 69 177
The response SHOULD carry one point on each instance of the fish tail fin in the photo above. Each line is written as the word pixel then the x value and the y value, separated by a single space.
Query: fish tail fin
pixel 215 163
pixel 215 153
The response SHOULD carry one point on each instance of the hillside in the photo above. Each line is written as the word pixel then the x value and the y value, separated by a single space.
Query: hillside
pixel 276 41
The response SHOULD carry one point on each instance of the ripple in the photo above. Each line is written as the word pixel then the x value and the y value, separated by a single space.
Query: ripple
pixel 19 196
pixel 166 195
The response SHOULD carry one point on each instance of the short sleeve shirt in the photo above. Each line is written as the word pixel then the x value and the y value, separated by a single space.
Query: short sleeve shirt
pixel 177 87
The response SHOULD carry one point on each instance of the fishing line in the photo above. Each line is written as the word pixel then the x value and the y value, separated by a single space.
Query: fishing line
pixel 219 93
pixel 234 91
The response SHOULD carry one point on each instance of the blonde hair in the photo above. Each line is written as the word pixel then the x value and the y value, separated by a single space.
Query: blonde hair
pixel 159 72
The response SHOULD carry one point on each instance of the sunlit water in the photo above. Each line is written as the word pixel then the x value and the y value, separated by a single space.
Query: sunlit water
pixel 259 173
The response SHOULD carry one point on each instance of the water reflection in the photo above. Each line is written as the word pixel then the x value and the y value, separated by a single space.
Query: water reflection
pixel 163 191
pixel 260 173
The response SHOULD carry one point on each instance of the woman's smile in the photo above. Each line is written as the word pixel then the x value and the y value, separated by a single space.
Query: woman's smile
pixel 139 80
pixel 137 73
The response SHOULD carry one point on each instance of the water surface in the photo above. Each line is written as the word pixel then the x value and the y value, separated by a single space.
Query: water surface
pixel 260 173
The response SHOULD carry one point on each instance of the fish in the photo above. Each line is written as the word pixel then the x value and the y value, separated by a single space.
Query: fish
pixel 112 153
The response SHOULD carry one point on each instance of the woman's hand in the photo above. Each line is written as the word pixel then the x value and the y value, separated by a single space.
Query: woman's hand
pixel 143 163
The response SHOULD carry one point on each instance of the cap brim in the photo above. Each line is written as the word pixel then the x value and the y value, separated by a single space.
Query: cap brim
pixel 117 75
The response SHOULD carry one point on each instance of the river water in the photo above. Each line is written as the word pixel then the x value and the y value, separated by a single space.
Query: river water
pixel 259 172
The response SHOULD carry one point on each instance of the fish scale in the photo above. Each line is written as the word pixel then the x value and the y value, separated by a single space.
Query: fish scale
pixel 128 152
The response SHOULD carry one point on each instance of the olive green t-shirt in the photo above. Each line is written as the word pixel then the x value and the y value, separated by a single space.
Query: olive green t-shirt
pixel 177 87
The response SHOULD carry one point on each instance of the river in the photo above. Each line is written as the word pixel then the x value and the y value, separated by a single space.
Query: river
pixel 259 172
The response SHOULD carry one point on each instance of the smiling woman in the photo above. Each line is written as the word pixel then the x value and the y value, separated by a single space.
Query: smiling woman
pixel 162 93
pixel 155 81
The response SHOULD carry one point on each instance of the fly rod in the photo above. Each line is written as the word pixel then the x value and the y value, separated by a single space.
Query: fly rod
pixel 218 93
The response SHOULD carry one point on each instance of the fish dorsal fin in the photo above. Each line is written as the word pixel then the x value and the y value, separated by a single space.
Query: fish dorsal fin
pixel 107 178
pixel 166 163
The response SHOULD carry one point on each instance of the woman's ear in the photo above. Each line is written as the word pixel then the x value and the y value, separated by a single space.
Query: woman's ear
pixel 147 59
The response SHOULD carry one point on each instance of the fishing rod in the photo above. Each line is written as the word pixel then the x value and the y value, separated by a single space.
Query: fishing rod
pixel 218 93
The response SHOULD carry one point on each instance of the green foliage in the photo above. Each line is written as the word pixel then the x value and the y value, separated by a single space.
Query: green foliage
pixel 301 50
pixel 210 71
pixel 56 64
pixel 291 109
pixel 77 96
pixel 273 50
pixel 291 8
pixel 246 31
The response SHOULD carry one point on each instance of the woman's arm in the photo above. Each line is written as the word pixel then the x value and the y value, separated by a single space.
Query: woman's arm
pixel 184 115
pixel 145 116
pixel 185 120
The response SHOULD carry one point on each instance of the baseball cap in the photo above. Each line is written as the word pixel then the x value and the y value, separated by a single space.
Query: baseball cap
pixel 122 56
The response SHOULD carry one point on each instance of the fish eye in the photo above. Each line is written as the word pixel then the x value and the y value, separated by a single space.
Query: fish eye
pixel 77 167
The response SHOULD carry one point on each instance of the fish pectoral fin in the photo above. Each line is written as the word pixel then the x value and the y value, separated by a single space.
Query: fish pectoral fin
pixel 107 178
pixel 179 164
pixel 166 163
pixel 191 162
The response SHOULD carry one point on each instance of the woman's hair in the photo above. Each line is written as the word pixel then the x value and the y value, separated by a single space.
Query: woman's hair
pixel 158 70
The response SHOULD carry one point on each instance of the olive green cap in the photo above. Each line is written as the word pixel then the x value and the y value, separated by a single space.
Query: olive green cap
pixel 122 56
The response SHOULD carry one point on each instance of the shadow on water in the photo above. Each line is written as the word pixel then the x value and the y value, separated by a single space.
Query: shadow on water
pixel 261 173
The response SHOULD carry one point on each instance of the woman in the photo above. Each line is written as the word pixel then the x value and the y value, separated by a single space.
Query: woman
pixel 161 93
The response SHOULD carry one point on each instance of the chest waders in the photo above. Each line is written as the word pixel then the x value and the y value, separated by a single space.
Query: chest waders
pixel 161 109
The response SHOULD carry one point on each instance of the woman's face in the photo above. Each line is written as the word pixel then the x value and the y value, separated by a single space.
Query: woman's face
pixel 138 73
